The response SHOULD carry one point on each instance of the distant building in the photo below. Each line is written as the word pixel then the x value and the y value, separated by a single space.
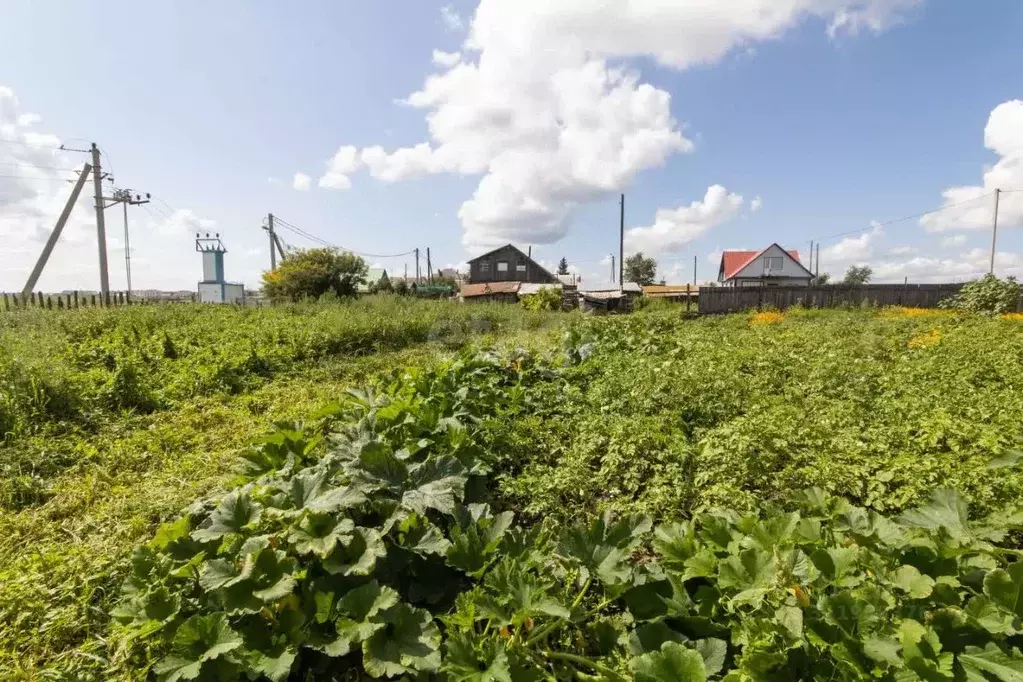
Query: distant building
pixel 486 292
pixel 508 264
pixel 773 266
pixel 214 288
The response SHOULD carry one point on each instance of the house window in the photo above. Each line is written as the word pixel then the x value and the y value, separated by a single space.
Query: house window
pixel 485 266
pixel 502 266
pixel 520 266
pixel 773 263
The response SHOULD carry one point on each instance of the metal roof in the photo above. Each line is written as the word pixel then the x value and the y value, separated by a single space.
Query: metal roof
pixel 487 288
pixel 734 261
pixel 656 290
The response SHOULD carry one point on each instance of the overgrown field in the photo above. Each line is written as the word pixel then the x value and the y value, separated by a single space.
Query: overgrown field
pixel 814 495
pixel 113 420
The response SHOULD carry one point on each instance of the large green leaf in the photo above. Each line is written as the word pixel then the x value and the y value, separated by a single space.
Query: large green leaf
pixel 713 651
pixel 409 643
pixel 357 556
pixel 319 532
pixel 475 542
pixel 359 616
pixel 989 616
pixel 1005 588
pixel 911 580
pixel 437 483
pixel 603 547
pixel 751 568
pixel 235 512
pixel 197 640
pixel 981 665
pixel 673 663
pixel 946 509
pixel 469 660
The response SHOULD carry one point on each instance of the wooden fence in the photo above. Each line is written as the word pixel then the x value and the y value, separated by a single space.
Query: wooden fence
pixel 74 299
pixel 733 299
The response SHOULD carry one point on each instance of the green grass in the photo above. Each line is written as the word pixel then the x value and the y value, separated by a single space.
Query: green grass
pixel 86 473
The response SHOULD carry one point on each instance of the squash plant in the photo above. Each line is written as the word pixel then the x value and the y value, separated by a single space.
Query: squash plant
pixel 365 545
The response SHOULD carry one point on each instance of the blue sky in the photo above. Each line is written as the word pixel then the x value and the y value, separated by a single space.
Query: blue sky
pixel 784 126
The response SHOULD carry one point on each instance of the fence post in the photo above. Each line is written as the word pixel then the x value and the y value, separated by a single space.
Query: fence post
pixel 92 300
pixel 49 303
pixel 76 298
pixel 7 303
pixel 68 297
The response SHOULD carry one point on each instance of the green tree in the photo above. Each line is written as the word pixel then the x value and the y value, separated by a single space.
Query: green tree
pixel 820 279
pixel 858 274
pixel 639 269
pixel 384 283
pixel 563 266
pixel 310 273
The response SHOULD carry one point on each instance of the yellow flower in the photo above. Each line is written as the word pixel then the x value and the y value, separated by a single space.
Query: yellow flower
pixel 899 311
pixel 1015 317
pixel 769 317
pixel 925 340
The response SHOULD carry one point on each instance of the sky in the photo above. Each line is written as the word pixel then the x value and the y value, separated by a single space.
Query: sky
pixel 387 126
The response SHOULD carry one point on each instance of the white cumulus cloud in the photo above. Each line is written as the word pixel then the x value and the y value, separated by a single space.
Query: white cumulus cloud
pixel 452 21
pixel 674 228
pixel 302 182
pixel 954 240
pixel 970 207
pixel 345 162
pixel 755 205
pixel 447 59
pixel 543 105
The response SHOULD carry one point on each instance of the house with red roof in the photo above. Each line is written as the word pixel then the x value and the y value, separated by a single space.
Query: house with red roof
pixel 773 266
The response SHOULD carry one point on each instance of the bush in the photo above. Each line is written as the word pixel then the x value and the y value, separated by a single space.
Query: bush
pixel 989 295
pixel 547 298
pixel 314 272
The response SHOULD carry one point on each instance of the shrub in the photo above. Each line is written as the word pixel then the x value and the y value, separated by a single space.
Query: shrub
pixel 313 272
pixel 547 298
pixel 988 295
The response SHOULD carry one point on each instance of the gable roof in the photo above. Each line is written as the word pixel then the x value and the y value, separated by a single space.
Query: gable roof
pixel 734 261
pixel 518 251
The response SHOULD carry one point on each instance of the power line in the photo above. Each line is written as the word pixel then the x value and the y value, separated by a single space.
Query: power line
pixel 909 217
pixel 296 229
pixel 23 164
pixel 30 145
pixel 29 177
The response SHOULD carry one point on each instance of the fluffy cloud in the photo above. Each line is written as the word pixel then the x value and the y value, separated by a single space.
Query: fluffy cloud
pixel 954 240
pixel 302 182
pixel 674 228
pixel 447 59
pixel 852 250
pixel 541 105
pixel 973 264
pixel 450 17
pixel 968 207
pixel 345 162
pixel 755 205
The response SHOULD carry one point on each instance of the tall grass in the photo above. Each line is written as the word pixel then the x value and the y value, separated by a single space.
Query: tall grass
pixel 61 367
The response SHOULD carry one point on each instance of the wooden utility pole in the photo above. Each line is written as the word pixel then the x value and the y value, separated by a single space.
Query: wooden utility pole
pixel 101 226
pixel 55 235
pixel 417 263
pixel 811 256
pixel 694 272
pixel 612 268
pixel 621 245
pixel 994 233
pixel 817 273
pixel 429 267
